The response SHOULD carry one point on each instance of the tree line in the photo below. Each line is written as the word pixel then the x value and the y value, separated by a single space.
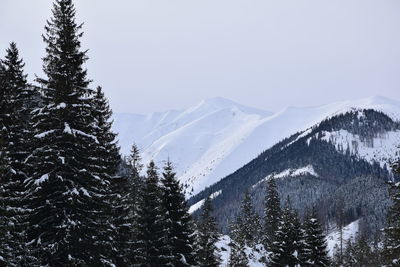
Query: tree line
pixel 289 241
pixel 67 198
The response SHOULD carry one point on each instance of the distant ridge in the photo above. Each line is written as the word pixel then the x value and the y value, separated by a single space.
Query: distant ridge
pixel 212 139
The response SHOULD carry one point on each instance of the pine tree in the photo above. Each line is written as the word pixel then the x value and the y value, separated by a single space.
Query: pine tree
pixel 68 189
pixel 151 227
pixel 179 234
pixel 207 254
pixel 245 232
pixel 135 167
pixel 315 250
pixel 108 150
pixel 126 212
pixel 272 213
pixel 340 225
pixel 109 159
pixel 348 258
pixel 249 225
pixel 288 249
pixel 392 231
pixel 237 257
pixel 3 172
pixel 363 252
pixel 17 103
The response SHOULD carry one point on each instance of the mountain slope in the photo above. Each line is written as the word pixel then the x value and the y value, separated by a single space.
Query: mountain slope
pixel 315 169
pixel 216 137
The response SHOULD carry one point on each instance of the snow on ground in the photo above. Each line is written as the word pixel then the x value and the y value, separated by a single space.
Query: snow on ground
pixel 254 256
pixel 349 232
pixel 306 170
pixel 216 137
pixel 200 203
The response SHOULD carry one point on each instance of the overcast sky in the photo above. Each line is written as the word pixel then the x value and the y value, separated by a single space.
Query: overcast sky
pixel 154 55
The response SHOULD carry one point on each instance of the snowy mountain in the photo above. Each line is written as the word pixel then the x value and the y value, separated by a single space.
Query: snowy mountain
pixel 218 136
pixel 342 159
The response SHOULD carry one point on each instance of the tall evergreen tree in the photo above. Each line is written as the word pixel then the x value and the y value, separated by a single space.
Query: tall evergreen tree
pixel 109 159
pixel 392 231
pixel 179 234
pixel 68 190
pixel 207 254
pixel 244 232
pixel 132 201
pixel 348 258
pixel 363 253
pixel 237 257
pixel 108 152
pixel 315 249
pixel 128 188
pixel 134 163
pixel 151 242
pixel 250 226
pixel 288 249
pixel 17 99
pixel 340 224
pixel 3 171
pixel 272 213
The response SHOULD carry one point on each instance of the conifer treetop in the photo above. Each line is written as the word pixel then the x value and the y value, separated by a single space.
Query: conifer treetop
pixel 63 63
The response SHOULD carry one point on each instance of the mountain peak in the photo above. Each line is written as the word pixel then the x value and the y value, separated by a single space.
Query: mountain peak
pixel 379 100
pixel 218 103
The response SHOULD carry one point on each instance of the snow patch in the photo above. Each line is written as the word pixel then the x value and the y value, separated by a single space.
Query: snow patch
pixel 381 149
pixel 200 203
pixel 67 129
pixel 42 179
pixel 61 106
pixel 306 170
pixel 254 255
pixel 349 232
pixel 44 134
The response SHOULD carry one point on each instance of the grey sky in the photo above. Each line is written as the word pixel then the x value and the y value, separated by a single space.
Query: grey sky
pixel 153 55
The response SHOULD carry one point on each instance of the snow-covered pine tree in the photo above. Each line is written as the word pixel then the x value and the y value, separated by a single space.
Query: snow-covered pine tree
pixel 315 247
pixel 250 225
pixel 237 257
pixel 3 170
pixel 68 198
pixel 17 103
pixel 272 213
pixel 179 234
pixel 207 237
pixel 131 203
pixel 340 224
pixel 116 238
pixel 151 225
pixel 244 232
pixel 108 148
pixel 392 231
pixel 288 248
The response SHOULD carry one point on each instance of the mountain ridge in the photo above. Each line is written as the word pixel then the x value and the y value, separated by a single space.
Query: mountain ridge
pixel 217 136
pixel 313 170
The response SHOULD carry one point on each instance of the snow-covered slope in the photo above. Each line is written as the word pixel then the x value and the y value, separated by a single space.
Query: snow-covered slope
pixel 382 149
pixel 350 232
pixel 218 136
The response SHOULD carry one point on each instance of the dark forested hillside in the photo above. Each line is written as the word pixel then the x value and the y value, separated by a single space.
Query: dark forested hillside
pixel 312 171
